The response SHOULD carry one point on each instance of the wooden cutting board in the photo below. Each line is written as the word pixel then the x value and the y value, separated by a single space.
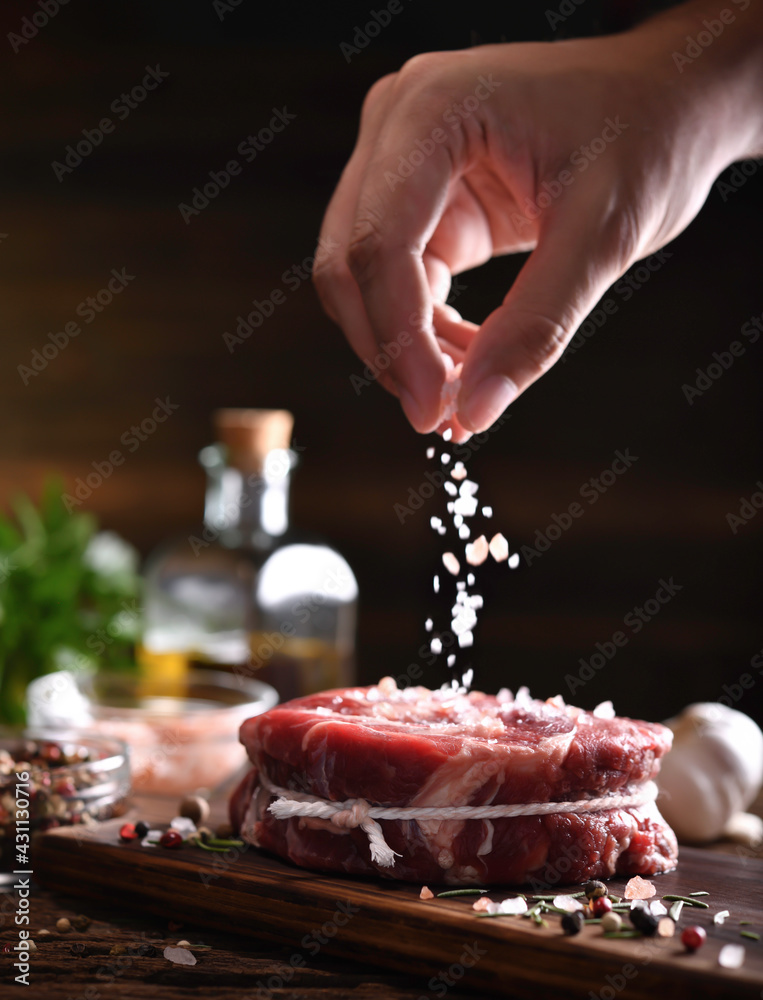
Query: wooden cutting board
pixel 385 923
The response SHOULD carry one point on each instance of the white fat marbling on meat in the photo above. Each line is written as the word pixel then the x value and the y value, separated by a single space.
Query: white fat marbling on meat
pixel 487 844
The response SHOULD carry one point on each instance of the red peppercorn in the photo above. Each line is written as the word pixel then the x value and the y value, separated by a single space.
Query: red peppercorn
pixel 65 787
pixel 601 905
pixel 693 937
pixel 128 832
pixel 171 838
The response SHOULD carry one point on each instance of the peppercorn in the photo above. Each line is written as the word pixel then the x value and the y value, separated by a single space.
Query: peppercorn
pixel 78 949
pixel 128 832
pixel 195 808
pixel 601 905
pixel 693 937
pixel 572 923
pixel 63 925
pixel 141 829
pixel 643 920
pixel 44 933
pixel 81 922
pixel 595 889
pixel 611 922
pixel 171 839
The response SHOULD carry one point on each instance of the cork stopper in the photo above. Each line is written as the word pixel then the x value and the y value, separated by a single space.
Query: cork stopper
pixel 249 435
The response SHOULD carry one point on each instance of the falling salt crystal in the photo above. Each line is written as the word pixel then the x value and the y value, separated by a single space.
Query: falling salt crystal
pixel 466 506
pixel 467 488
pixel 445 458
pixel 475 601
pixel 436 646
pixel 465 639
pixel 604 710
pixel 731 956
pixel 470 579
pixel 451 659
pixel 437 585
pixel 450 389
pixel 451 490
pixel 499 548
pixel 441 531
pixel 514 561
pixel 477 551
pixel 459 471
pixel 464 619
pixel 430 452
pixel 451 564
pixel 460 586
pixel 467 678
pixel 487 511
pixel 435 522
pixel 447 434
pixel 428 624
pixel 463 531
pixel 458 520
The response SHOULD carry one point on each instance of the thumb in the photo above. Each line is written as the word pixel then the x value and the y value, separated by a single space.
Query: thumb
pixel 568 272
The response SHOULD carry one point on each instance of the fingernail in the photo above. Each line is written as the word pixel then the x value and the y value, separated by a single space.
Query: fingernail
pixel 412 410
pixel 486 402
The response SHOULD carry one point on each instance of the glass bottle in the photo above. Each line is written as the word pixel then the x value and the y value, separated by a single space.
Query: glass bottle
pixel 245 594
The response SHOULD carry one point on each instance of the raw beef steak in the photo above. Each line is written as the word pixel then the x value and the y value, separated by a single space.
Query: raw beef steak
pixel 417 748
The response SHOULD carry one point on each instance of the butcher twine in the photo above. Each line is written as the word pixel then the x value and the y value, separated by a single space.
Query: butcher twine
pixel 358 812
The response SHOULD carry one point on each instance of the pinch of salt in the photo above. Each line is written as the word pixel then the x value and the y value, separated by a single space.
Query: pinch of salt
pixel 436 646
pixel 499 547
pixel 639 888
pixel 447 434
pixel 567 903
pixel 458 471
pixel 465 639
pixel 430 452
pixel 451 659
pixel 463 532
pixel 450 489
pixel 477 551
pixel 451 564
pixel 731 956
pixel 514 561
pixel 428 624
pixel 470 579
pixel 426 893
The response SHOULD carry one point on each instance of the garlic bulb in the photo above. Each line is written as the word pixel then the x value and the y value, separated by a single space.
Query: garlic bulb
pixel 713 772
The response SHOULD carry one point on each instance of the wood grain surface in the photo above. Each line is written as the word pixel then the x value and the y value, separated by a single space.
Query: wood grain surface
pixel 387 924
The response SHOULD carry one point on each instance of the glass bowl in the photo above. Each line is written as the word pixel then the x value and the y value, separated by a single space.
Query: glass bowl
pixel 182 732
pixel 61 778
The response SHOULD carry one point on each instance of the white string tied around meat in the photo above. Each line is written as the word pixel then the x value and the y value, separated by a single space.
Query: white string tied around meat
pixel 358 812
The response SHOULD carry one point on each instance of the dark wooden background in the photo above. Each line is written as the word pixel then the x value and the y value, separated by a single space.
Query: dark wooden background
pixel 162 337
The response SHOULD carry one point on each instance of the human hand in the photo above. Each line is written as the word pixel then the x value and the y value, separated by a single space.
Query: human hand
pixel 591 153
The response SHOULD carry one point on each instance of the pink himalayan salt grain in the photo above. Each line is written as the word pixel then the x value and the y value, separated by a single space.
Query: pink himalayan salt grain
pixel 458 471
pixel 451 564
pixel 477 551
pixel 426 893
pixel 639 888
pixel 499 547
pixel 483 905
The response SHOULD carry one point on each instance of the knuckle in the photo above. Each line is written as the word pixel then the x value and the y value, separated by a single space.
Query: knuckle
pixel 542 341
pixel 363 250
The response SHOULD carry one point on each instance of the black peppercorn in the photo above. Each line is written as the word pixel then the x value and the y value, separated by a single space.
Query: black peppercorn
pixel 142 828
pixel 643 920
pixel 572 923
